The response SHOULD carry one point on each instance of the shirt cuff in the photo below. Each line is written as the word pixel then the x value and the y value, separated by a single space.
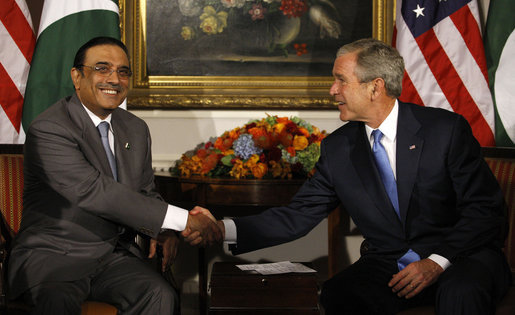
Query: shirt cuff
pixel 230 231
pixel 440 260
pixel 175 218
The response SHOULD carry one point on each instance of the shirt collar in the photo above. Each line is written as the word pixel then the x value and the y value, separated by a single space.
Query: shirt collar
pixel 389 126
pixel 95 119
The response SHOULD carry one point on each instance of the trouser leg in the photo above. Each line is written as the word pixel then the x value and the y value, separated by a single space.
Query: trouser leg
pixel 473 285
pixel 133 287
pixel 50 298
pixel 362 288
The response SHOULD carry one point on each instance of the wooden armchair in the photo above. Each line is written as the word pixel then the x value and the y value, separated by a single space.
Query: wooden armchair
pixel 11 192
pixel 502 163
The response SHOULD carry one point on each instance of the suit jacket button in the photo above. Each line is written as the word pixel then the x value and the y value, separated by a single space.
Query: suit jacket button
pixel 364 247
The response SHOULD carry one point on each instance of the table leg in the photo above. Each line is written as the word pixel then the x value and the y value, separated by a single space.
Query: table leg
pixel 202 280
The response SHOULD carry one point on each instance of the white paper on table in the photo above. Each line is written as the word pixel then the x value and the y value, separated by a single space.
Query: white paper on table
pixel 277 268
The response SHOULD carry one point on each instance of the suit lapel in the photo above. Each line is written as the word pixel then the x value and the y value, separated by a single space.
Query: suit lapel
pixel 364 164
pixel 121 147
pixel 409 148
pixel 92 143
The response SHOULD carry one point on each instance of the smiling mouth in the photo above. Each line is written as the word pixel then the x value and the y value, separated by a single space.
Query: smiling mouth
pixel 110 92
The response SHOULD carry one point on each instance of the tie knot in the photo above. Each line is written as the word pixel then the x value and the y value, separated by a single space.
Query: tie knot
pixel 377 134
pixel 103 128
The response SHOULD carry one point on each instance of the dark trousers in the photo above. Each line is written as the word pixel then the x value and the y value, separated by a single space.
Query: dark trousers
pixel 469 286
pixel 121 280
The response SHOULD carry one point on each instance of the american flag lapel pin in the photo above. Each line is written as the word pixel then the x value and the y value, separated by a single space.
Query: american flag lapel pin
pixel 127 146
pixel 412 147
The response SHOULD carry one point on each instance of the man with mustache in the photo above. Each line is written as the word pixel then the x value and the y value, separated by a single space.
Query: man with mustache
pixel 89 189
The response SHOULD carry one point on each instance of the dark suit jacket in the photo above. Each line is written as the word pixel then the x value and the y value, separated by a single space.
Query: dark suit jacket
pixel 450 202
pixel 74 211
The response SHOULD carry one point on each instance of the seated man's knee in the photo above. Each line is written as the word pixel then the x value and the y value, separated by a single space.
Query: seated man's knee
pixel 461 289
pixel 463 297
pixel 56 302
pixel 166 291
pixel 164 295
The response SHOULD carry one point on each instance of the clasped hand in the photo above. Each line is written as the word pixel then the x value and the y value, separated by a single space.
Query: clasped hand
pixel 202 228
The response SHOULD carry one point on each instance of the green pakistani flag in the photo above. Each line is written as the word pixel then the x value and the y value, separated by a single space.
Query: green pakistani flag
pixel 65 26
pixel 500 52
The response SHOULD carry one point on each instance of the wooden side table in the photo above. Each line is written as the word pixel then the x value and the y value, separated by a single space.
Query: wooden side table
pixel 224 197
pixel 234 291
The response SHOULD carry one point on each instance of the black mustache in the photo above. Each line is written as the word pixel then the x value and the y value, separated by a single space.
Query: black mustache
pixel 115 87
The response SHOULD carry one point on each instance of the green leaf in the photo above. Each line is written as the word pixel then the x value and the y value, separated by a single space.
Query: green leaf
pixel 226 160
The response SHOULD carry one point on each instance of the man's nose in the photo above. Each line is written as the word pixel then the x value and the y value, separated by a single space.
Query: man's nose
pixel 113 76
pixel 334 89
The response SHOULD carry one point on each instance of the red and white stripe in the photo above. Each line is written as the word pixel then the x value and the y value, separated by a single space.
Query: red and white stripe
pixel 446 68
pixel 18 41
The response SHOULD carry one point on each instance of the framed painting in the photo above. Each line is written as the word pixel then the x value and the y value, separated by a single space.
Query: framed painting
pixel 242 54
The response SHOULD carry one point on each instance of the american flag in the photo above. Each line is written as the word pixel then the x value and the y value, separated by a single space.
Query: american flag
pixel 442 47
pixel 18 41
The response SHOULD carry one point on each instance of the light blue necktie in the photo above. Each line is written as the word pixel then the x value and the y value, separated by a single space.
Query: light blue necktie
pixel 103 129
pixel 386 173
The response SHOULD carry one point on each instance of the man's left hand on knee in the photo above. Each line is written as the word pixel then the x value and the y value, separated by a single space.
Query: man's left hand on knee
pixel 415 277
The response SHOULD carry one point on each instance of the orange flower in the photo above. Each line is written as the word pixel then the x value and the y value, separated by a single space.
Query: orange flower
pixel 291 150
pixel 234 134
pixel 238 170
pixel 280 170
pixel 190 166
pixel 252 161
pixel 209 163
pixel 275 168
pixel 259 170
pixel 304 131
pixel 202 153
pixel 261 137
pixel 282 120
pixel 279 127
pixel 300 143
pixel 219 143
pixel 223 143
pixel 257 132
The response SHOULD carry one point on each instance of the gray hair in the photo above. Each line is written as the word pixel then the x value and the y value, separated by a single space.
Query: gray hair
pixel 377 60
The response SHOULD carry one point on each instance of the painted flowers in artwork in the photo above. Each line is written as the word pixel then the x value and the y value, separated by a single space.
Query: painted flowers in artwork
pixel 273 147
pixel 280 19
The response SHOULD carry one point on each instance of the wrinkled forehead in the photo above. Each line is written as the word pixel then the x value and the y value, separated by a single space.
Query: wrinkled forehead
pixel 345 65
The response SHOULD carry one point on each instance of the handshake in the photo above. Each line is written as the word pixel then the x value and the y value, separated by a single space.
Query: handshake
pixel 202 228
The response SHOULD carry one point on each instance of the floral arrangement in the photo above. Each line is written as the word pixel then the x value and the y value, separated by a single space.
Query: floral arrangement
pixel 273 147
pixel 212 17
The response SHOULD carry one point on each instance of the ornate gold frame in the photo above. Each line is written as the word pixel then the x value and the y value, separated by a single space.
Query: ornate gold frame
pixel 228 92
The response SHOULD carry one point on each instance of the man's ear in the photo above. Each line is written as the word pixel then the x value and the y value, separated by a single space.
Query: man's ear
pixel 377 88
pixel 76 75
